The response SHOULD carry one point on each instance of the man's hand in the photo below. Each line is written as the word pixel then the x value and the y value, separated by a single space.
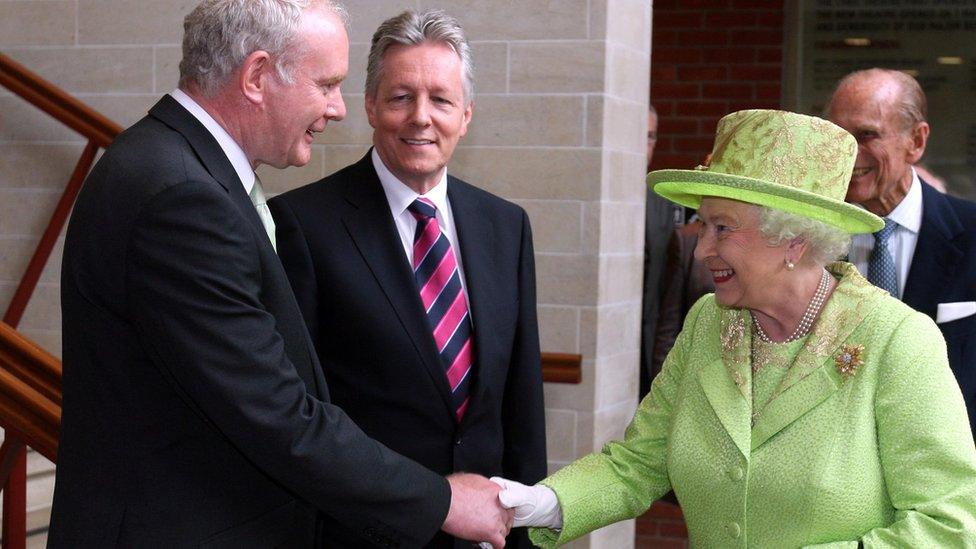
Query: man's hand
pixel 476 513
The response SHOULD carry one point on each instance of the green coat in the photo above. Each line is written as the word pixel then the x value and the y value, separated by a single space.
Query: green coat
pixel 883 456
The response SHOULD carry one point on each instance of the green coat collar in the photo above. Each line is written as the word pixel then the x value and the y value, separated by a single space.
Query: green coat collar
pixel 813 377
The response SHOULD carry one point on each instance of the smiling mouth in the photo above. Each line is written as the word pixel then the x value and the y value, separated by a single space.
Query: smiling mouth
pixel 723 275
pixel 417 141
pixel 858 172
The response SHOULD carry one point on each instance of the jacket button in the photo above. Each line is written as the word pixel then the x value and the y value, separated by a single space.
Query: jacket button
pixel 457 441
pixel 733 530
pixel 736 473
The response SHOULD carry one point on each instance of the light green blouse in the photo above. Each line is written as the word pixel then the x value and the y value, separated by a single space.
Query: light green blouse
pixel 770 362
pixel 864 438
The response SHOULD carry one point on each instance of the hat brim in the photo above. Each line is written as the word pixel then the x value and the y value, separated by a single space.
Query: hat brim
pixel 688 187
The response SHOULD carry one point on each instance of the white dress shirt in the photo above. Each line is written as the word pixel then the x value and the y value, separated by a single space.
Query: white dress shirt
pixel 231 149
pixel 908 218
pixel 399 196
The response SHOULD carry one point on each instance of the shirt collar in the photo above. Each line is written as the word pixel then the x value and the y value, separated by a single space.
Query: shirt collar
pixel 227 144
pixel 400 196
pixel 908 212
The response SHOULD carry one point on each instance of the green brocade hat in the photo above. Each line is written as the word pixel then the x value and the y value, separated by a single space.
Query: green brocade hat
pixel 786 161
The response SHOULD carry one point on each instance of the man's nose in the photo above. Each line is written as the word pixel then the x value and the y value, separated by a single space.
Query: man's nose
pixel 421 113
pixel 337 107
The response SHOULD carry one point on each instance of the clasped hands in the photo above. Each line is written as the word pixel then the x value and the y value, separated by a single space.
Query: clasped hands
pixel 487 510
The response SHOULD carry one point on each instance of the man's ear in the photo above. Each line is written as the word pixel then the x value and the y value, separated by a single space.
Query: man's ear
pixel 466 118
pixel 918 138
pixel 254 76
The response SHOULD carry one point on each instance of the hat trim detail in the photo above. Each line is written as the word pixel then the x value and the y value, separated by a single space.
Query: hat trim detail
pixel 688 187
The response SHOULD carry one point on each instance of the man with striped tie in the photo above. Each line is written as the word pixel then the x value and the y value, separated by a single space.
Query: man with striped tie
pixel 418 288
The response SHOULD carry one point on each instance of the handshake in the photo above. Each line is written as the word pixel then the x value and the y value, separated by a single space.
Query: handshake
pixel 483 509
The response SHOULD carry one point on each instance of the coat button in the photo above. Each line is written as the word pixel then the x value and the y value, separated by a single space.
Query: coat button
pixel 736 473
pixel 733 530
pixel 457 441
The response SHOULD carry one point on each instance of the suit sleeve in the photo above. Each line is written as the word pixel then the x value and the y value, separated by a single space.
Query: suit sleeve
pixel 925 444
pixel 658 225
pixel 297 260
pixel 523 413
pixel 193 276
pixel 669 315
pixel 622 480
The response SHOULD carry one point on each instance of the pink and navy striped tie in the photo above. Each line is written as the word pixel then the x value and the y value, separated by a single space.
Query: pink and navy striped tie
pixel 435 269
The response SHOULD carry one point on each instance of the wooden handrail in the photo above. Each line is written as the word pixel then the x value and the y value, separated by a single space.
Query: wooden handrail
pixel 18 352
pixel 562 368
pixel 30 391
pixel 57 103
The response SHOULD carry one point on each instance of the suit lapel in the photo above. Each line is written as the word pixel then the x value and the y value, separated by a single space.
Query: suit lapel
pixel 372 230
pixel 728 403
pixel 727 380
pixel 935 253
pixel 476 240
pixel 813 376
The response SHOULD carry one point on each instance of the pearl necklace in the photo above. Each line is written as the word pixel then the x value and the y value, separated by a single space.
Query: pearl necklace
pixel 809 316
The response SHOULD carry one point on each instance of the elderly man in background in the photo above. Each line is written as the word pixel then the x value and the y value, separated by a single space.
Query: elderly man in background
pixel 418 288
pixel 195 411
pixel 926 254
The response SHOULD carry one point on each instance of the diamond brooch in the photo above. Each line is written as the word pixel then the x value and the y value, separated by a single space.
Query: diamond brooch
pixel 849 360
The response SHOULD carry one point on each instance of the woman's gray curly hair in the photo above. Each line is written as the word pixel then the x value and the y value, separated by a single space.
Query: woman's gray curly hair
pixel 825 243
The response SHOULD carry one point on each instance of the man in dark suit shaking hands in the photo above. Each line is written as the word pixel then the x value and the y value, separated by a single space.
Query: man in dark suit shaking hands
pixel 926 254
pixel 195 411
pixel 418 288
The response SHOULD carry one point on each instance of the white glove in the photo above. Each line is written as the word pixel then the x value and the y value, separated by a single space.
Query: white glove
pixel 534 505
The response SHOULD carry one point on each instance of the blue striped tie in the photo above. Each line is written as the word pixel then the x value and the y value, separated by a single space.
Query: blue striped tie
pixel 881 269
pixel 435 269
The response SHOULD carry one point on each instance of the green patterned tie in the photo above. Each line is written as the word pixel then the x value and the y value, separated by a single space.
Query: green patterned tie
pixel 261 205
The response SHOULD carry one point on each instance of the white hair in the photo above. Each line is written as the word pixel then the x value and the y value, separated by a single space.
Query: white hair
pixel 825 243
pixel 219 34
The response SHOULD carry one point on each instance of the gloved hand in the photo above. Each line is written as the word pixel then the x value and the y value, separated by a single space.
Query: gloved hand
pixel 534 505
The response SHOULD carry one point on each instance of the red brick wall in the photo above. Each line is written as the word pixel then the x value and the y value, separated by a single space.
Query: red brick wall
pixel 709 58
pixel 663 527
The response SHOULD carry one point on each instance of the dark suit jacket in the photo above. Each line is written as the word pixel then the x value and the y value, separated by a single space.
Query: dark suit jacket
pixel 684 281
pixel 660 218
pixel 943 270
pixel 356 290
pixel 194 410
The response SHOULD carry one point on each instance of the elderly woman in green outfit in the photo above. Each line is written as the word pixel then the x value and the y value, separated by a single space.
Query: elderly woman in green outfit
pixel 800 406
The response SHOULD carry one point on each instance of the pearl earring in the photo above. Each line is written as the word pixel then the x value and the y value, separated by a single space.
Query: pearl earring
pixel 790 265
